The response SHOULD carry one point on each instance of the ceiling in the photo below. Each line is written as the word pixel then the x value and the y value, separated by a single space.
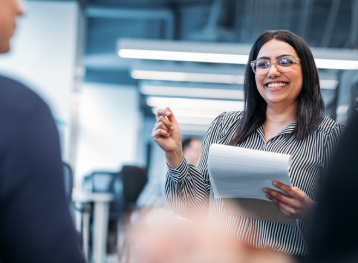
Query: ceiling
pixel 321 23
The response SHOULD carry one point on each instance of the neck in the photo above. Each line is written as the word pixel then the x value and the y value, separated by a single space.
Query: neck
pixel 281 113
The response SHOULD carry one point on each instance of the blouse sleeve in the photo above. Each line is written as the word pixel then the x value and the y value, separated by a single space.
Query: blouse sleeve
pixel 187 186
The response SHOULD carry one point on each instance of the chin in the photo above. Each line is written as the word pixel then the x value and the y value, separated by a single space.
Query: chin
pixel 277 99
pixel 4 48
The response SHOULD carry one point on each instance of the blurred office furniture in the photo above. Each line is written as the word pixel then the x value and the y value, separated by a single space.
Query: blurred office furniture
pixel 100 223
pixel 68 180
pixel 68 176
pixel 125 187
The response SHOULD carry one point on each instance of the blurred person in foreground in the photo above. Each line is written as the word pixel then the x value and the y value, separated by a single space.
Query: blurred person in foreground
pixel 35 222
pixel 153 194
pixel 284 113
pixel 160 237
pixel 334 229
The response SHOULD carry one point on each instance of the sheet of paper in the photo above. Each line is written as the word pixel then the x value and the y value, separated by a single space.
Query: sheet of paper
pixel 238 176
pixel 243 173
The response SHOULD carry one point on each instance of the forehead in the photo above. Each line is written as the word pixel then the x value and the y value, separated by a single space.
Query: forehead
pixel 275 48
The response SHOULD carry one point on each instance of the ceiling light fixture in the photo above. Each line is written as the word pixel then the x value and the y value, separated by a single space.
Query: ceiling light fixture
pixel 183 56
pixel 192 92
pixel 222 105
pixel 201 77
pixel 190 77
pixel 190 128
pixel 221 58
pixel 328 83
pixel 194 120
pixel 197 113
pixel 336 64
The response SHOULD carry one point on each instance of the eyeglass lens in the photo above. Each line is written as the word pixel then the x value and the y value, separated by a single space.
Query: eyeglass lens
pixel 284 64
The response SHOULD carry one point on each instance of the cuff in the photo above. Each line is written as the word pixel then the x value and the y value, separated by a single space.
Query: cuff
pixel 178 172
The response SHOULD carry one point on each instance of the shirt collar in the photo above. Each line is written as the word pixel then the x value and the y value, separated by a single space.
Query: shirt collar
pixel 288 129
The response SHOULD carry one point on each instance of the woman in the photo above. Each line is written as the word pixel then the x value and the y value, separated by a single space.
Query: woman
pixel 284 113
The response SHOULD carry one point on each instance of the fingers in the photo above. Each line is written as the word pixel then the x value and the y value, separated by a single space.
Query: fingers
pixel 167 124
pixel 284 187
pixel 168 113
pixel 159 133
pixel 161 126
pixel 293 192
pixel 163 112
pixel 279 196
pixel 286 209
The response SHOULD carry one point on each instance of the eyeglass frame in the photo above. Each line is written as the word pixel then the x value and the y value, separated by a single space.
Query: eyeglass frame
pixel 295 58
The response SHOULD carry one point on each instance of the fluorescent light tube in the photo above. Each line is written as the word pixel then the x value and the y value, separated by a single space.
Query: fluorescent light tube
pixel 194 120
pixel 192 92
pixel 223 105
pixel 221 58
pixel 200 77
pixel 336 64
pixel 328 84
pixel 183 56
pixel 198 113
pixel 200 129
pixel 184 76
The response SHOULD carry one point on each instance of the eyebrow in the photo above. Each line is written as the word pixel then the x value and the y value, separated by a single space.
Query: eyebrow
pixel 276 57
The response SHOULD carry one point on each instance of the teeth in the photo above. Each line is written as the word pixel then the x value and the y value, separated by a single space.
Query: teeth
pixel 276 85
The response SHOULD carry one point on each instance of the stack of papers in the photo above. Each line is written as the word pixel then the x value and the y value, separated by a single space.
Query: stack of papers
pixel 238 176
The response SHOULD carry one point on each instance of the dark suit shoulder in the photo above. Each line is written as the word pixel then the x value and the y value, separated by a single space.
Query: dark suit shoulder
pixel 16 98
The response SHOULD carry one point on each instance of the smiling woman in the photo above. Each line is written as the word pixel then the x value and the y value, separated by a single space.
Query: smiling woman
pixel 302 94
pixel 284 113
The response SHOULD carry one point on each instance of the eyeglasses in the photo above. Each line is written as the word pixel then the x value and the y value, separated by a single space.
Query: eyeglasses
pixel 283 64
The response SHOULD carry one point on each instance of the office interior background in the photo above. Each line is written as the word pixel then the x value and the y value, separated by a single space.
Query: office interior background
pixel 105 66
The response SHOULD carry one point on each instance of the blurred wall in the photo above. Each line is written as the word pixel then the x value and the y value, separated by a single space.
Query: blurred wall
pixel 108 131
pixel 43 57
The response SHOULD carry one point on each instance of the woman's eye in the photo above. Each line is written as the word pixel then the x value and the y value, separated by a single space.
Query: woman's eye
pixel 286 62
pixel 262 64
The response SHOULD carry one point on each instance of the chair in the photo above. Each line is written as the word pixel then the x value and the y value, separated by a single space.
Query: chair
pixel 134 179
pixel 105 182
pixel 125 185
pixel 68 176
pixel 68 179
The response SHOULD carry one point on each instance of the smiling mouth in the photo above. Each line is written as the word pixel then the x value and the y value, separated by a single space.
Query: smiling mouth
pixel 276 85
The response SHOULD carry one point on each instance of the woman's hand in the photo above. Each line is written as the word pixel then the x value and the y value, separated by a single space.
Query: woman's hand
pixel 295 204
pixel 167 135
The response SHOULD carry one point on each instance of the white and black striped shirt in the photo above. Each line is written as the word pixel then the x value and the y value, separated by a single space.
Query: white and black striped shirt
pixel 310 157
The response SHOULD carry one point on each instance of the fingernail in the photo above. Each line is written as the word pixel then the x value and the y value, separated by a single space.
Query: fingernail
pixel 171 127
pixel 168 134
pixel 268 196
pixel 265 190
pixel 274 183
pixel 167 112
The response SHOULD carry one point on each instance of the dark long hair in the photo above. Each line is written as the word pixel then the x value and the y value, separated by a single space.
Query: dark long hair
pixel 310 111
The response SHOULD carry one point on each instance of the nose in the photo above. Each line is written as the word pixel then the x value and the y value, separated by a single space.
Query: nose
pixel 20 7
pixel 273 71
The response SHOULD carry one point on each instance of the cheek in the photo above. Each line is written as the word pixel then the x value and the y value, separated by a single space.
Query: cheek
pixel 298 84
pixel 259 80
pixel 4 25
pixel 5 37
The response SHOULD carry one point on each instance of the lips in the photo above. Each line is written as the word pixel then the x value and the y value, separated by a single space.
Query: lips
pixel 274 86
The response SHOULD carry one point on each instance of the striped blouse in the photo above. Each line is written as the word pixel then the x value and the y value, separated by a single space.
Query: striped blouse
pixel 310 156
